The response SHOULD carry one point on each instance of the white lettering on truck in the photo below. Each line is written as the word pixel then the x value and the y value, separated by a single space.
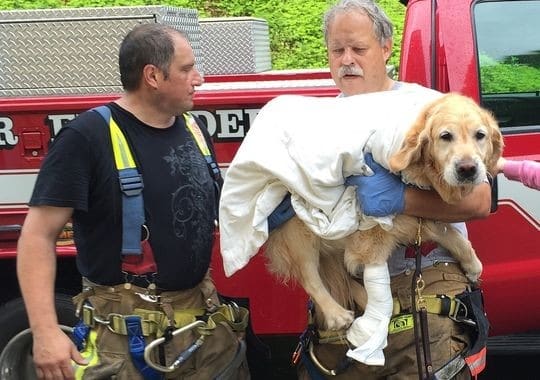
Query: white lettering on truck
pixel 231 124
pixel 56 122
pixel 7 138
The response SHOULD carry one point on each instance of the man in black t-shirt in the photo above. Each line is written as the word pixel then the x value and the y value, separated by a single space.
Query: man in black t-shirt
pixel 79 181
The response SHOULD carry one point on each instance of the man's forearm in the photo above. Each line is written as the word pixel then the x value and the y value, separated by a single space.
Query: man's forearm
pixel 428 204
pixel 36 269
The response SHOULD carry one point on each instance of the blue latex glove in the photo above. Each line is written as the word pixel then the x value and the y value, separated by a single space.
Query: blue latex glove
pixel 380 194
pixel 283 212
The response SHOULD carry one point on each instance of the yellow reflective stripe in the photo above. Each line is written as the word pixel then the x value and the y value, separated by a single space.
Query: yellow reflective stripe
pixel 197 134
pixel 90 353
pixel 400 323
pixel 122 153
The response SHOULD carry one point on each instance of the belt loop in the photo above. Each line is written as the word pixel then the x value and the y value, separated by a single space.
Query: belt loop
pixel 127 299
pixel 169 312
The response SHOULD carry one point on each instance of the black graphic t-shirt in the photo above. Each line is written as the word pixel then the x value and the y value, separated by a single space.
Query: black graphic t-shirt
pixel 179 196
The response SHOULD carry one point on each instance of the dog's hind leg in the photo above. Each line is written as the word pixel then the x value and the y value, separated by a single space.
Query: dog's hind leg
pixel 293 251
pixel 460 248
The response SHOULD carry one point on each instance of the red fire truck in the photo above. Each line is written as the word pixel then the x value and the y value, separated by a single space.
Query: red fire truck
pixel 487 50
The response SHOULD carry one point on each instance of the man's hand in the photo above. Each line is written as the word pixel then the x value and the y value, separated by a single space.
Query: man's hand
pixel 53 352
pixel 282 213
pixel 380 194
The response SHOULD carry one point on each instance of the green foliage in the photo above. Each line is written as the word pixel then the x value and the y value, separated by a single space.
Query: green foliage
pixel 296 39
pixel 509 76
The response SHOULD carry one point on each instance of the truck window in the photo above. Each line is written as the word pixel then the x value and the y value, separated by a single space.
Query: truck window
pixel 507 39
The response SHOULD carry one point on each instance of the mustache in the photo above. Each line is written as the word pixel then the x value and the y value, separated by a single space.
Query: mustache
pixel 350 70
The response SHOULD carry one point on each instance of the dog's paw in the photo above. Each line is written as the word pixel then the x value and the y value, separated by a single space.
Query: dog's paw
pixel 338 319
pixel 473 270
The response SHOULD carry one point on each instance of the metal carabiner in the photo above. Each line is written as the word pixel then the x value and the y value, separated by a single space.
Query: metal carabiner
pixel 318 364
pixel 461 313
pixel 183 357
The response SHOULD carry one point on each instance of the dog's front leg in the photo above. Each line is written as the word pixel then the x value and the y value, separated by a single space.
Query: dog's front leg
pixel 369 332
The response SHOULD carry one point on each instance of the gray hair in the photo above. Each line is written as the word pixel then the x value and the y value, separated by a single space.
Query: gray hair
pixel 382 26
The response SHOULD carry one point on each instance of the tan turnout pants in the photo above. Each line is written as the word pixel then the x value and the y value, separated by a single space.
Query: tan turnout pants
pixel 447 338
pixel 208 362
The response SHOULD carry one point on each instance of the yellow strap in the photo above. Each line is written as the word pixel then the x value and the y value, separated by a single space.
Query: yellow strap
pixel 433 304
pixel 400 323
pixel 122 154
pixel 154 322
pixel 90 353
pixel 197 134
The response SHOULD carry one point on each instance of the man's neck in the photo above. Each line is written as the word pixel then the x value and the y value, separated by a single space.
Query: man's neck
pixel 145 111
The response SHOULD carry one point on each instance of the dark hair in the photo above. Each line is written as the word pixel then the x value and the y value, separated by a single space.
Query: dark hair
pixel 382 26
pixel 145 44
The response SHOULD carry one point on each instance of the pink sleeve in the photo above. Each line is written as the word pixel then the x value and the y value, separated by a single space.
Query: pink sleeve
pixel 527 172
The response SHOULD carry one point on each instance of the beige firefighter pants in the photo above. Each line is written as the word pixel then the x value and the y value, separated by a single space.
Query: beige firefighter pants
pixel 447 338
pixel 208 362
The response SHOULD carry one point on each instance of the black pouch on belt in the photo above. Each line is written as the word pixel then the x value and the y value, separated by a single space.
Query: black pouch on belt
pixel 473 303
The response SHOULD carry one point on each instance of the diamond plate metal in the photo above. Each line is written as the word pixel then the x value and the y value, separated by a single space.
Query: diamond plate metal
pixel 235 45
pixel 75 50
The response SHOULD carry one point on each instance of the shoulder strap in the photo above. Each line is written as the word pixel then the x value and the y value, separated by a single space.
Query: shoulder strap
pixel 131 185
pixel 197 134
pixel 213 167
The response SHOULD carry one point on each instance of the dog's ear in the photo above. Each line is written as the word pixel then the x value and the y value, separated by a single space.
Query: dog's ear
pixel 496 139
pixel 411 150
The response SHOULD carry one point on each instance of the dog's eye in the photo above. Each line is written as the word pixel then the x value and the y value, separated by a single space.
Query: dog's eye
pixel 480 135
pixel 446 136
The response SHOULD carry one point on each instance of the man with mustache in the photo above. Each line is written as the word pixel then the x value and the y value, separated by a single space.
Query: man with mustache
pixel 358 37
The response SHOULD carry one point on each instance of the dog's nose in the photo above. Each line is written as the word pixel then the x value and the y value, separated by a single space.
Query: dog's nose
pixel 467 170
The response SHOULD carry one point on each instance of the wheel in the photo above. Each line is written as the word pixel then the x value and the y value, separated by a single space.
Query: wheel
pixel 16 361
pixel 16 338
pixel 13 318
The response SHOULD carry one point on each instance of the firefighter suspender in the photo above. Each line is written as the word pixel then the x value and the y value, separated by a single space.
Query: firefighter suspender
pixel 137 255
pixel 196 132
pixel 193 127
pixel 131 185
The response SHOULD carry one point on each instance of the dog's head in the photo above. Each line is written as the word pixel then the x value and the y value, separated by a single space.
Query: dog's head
pixel 453 145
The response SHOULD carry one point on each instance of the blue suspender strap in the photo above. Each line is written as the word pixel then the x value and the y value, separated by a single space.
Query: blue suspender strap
pixel 131 185
pixel 136 348
pixel 132 210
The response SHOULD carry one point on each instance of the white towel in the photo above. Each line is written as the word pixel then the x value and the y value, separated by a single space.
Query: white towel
pixel 308 146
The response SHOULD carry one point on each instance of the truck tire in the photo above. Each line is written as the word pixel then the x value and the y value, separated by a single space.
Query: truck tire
pixel 16 361
pixel 13 318
pixel 16 338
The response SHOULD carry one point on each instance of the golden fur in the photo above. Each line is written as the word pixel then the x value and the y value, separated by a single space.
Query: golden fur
pixel 452 147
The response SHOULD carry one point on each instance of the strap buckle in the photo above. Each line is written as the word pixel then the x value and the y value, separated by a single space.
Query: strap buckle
pixel 461 313
pixel 131 182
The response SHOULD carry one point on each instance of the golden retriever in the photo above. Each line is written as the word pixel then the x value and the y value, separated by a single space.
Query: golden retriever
pixel 452 147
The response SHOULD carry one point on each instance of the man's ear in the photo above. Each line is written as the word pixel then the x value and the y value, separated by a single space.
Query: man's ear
pixel 387 49
pixel 150 76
